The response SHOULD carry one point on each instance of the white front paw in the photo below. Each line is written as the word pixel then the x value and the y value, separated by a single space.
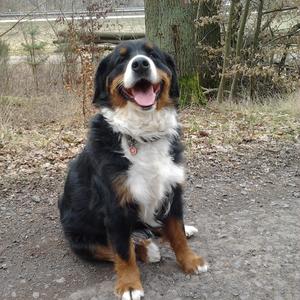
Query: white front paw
pixel 202 269
pixel 190 230
pixel 133 295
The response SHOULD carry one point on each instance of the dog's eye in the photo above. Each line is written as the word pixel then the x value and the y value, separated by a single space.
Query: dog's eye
pixel 152 54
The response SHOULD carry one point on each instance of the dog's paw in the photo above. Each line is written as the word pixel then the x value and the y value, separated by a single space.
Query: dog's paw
pixel 133 295
pixel 191 263
pixel 153 253
pixel 201 269
pixel 190 230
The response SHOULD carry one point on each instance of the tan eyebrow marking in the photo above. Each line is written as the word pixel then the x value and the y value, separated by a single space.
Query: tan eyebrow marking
pixel 123 50
pixel 149 45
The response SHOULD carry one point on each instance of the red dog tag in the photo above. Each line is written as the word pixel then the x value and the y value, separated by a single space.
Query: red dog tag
pixel 133 150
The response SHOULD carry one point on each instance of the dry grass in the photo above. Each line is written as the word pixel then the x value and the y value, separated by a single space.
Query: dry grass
pixel 227 125
pixel 39 135
pixel 17 112
pixel 19 80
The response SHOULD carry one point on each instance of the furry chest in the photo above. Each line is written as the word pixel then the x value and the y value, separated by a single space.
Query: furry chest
pixel 151 176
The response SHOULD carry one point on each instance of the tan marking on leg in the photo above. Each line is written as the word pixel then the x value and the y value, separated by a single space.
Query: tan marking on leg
pixel 186 258
pixel 128 274
pixel 123 193
pixel 104 253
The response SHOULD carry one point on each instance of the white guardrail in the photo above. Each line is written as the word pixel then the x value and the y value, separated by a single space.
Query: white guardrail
pixel 115 12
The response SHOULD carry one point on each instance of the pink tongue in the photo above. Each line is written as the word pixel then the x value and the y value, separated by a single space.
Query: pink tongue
pixel 144 98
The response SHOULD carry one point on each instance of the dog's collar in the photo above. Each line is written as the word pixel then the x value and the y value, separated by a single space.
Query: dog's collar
pixel 142 139
pixel 133 143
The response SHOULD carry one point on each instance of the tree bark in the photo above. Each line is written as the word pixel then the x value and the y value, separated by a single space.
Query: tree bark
pixel 170 25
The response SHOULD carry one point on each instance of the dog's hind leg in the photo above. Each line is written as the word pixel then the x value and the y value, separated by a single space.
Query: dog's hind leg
pixel 103 253
pixel 147 251
pixel 93 251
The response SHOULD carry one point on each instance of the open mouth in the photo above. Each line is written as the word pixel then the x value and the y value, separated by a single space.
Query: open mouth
pixel 143 93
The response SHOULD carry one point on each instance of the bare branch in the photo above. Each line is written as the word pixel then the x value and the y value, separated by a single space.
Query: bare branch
pixel 279 10
pixel 294 30
pixel 22 18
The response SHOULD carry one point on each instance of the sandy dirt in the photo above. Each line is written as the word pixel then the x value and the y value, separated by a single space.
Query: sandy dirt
pixel 245 203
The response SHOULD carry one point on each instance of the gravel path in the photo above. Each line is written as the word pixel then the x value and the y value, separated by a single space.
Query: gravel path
pixel 245 203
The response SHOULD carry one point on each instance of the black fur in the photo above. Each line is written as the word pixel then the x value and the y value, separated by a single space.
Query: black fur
pixel 90 212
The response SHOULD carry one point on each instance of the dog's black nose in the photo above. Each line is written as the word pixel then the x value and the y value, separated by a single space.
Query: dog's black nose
pixel 140 65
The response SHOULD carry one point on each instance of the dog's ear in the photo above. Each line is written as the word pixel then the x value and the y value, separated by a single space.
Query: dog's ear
pixel 101 94
pixel 174 88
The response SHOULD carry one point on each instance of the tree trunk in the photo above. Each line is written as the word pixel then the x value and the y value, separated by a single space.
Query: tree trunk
pixel 226 50
pixel 239 46
pixel 170 25
pixel 256 41
pixel 209 35
pixel 258 25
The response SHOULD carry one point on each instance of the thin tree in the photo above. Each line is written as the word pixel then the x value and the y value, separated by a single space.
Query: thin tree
pixel 226 50
pixel 34 50
pixel 239 46
pixel 256 41
pixel 209 36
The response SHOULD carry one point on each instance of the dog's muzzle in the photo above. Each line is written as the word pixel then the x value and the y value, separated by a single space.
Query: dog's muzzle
pixel 141 81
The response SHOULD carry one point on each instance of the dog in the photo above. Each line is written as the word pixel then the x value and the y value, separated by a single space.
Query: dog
pixel 126 185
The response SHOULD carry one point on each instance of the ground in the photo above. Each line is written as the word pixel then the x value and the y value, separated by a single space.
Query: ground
pixel 244 198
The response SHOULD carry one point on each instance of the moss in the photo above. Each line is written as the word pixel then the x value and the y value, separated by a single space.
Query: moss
pixel 190 91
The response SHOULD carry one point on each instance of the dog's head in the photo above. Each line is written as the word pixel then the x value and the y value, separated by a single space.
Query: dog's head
pixel 137 72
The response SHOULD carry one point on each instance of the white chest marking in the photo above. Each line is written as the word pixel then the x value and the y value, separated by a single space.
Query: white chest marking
pixel 152 173
pixel 151 176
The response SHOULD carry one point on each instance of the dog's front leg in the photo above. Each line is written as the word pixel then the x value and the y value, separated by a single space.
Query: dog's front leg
pixel 173 230
pixel 128 285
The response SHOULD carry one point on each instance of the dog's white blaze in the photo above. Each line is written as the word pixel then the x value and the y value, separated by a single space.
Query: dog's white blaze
pixel 129 75
pixel 152 173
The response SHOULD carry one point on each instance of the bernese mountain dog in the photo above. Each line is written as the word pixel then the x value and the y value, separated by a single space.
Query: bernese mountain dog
pixel 126 185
